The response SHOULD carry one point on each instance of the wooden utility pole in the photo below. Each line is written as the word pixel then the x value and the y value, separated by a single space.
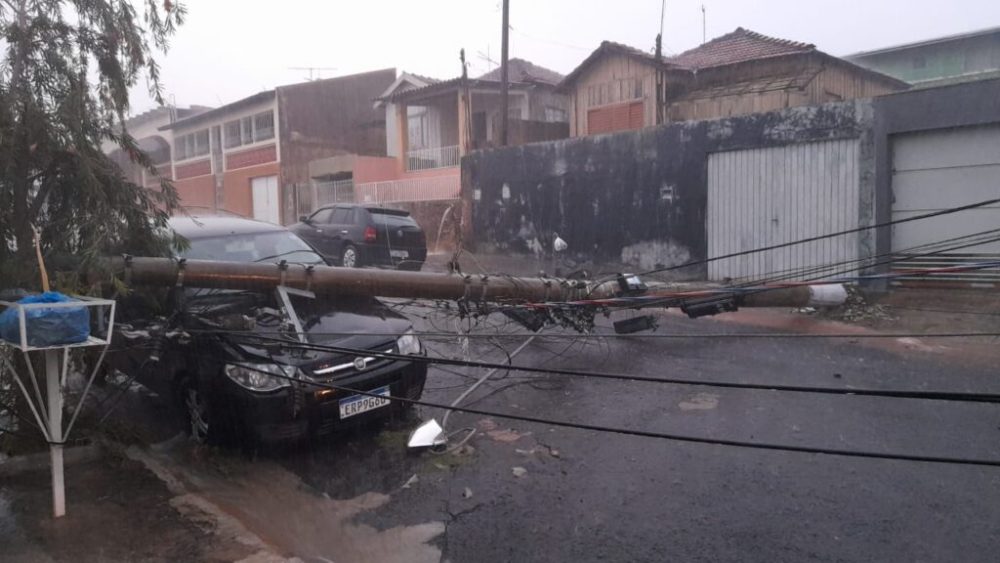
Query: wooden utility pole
pixel 504 86
pixel 365 282
pixel 659 79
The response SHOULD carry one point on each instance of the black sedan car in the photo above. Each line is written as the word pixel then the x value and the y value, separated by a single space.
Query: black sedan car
pixel 358 235
pixel 234 359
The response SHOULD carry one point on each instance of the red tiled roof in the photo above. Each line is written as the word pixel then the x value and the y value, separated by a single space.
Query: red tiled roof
pixel 520 70
pixel 739 46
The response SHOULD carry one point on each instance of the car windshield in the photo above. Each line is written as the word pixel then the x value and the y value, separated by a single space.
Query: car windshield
pixel 253 247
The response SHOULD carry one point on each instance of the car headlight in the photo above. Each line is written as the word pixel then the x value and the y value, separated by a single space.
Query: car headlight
pixel 408 343
pixel 260 377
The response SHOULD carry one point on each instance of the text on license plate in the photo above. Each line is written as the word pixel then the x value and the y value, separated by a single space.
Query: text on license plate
pixel 357 404
pixel 399 253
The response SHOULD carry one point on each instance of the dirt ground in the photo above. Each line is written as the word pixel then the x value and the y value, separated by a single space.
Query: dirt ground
pixel 927 310
pixel 117 511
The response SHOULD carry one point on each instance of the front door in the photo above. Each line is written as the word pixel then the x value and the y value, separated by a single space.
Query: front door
pixel 266 206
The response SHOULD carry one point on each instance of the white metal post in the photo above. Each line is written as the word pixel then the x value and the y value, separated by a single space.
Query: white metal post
pixel 54 394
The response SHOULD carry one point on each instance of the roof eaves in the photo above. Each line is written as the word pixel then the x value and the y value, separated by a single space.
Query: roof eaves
pixel 923 43
pixel 617 48
pixel 221 110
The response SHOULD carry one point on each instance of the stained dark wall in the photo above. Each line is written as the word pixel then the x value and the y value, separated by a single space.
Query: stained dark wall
pixel 630 196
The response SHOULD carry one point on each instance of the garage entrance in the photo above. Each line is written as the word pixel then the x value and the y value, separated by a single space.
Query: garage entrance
pixel 939 169
pixel 764 197
pixel 266 206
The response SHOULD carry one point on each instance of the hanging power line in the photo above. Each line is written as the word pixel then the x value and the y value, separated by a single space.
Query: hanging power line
pixel 924 395
pixel 667 436
pixel 826 236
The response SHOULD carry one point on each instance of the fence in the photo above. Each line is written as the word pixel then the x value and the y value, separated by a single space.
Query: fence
pixel 413 189
pixel 310 197
pixel 435 157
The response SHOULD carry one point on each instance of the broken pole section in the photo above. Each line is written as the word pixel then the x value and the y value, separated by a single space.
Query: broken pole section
pixel 347 282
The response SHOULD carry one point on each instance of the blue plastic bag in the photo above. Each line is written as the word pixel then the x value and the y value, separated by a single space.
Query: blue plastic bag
pixel 47 326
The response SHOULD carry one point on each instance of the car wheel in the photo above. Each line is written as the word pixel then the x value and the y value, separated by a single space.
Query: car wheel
pixel 197 413
pixel 349 257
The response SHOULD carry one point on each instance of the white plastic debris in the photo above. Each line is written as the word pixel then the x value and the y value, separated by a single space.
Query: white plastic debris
pixel 519 471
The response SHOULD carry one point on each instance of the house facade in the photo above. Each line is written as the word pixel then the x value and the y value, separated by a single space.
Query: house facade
pixel 157 144
pixel 431 124
pixel 938 61
pixel 620 88
pixel 247 157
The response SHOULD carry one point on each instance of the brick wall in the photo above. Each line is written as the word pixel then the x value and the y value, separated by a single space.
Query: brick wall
pixel 196 192
pixel 193 169
pixel 252 157
pixel 236 192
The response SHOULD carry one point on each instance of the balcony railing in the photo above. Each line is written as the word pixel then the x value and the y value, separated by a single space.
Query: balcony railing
pixel 410 189
pixel 435 157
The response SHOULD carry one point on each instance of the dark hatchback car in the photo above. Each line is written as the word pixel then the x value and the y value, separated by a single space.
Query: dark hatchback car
pixel 232 358
pixel 358 235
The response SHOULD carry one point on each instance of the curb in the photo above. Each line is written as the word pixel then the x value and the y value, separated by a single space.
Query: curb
pixel 35 462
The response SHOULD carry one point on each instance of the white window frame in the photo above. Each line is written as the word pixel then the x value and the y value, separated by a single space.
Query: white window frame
pixel 249 131
pixel 185 145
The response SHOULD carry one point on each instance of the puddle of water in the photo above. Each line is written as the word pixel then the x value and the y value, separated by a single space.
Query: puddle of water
pixel 284 512
pixel 700 402
pixel 8 526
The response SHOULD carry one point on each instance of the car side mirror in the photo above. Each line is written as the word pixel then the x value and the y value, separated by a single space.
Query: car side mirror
pixel 303 219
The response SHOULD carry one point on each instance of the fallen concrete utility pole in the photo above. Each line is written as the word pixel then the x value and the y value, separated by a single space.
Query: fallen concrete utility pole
pixel 331 280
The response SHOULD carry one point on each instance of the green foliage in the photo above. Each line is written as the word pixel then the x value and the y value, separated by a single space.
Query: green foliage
pixel 65 75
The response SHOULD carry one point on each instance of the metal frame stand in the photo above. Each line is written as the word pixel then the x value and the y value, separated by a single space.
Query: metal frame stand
pixel 48 411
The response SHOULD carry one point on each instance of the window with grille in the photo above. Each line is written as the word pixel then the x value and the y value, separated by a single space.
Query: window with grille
pixel 233 138
pixel 192 145
pixel 263 126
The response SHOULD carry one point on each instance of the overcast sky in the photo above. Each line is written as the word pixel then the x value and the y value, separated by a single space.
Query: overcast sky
pixel 230 49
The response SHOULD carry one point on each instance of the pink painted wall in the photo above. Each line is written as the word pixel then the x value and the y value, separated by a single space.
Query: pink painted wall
pixel 375 169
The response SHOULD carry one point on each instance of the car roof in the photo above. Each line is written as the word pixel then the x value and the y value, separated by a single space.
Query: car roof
pixel 191 227
pixel 371 208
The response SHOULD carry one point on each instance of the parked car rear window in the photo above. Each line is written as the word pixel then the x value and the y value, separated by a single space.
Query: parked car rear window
pixel 393 220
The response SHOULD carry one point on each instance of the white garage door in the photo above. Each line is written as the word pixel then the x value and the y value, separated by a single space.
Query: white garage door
pixel 764 197
pixel 266 206
pixel 941 169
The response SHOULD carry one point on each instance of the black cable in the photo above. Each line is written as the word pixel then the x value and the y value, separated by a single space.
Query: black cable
pixel 951 311
pixel 923 395
pixel 826 236
pixel 676 301
pixel 870 261
pixel 667 436
pixel 666 335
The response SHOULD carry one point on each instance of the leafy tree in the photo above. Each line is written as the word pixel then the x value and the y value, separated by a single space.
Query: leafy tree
pixel 65 76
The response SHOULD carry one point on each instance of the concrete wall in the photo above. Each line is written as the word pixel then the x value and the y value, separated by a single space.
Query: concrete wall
pixel 638 198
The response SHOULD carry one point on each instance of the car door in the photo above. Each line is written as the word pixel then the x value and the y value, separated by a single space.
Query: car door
pixel 339 231
pixel 322 233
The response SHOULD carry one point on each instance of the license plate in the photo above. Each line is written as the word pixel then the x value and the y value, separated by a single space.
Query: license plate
pixel 399 253
pixel 357 404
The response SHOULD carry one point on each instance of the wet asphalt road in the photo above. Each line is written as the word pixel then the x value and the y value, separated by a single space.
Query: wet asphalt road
pixel 589 496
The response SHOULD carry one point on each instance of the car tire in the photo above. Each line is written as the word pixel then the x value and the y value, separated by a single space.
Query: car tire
pixel 349 257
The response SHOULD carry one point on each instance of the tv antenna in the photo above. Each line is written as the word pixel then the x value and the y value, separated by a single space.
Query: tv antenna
pixel 486 57
pixel 315 72
pixel 704 35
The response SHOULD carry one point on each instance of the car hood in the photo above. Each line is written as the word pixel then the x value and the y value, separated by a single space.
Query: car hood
pixel 363 325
